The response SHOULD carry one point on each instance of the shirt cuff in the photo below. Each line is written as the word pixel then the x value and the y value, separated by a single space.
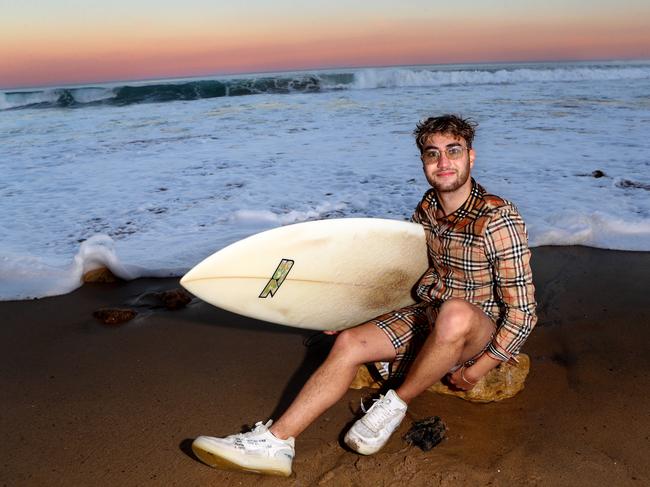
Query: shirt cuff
pixel 499 353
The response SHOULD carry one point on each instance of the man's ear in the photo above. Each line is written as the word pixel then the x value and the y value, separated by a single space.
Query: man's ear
pixel 472 156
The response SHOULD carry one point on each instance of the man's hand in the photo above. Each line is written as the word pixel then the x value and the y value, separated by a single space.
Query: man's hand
pixel 466 378
pixel 462 379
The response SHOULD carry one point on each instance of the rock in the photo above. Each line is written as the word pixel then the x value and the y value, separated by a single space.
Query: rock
pixel 626 183
pixel 500 383
pixel 364 379
pixel 171 300
pixel 114 316
pixel 175 298
pixel 598 173
pixel 102 274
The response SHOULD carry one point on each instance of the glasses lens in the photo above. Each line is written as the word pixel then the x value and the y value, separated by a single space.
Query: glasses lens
pixel 432 155
pixel 455 152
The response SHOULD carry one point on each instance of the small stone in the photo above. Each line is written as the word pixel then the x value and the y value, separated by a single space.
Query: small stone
pixel 175 298
pixel 102 274
pixel 172 300
pixel 598 173
pixel 500 383
pixel 114 316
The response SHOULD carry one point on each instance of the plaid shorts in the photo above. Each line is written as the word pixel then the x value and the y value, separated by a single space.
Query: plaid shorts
pixel 407 328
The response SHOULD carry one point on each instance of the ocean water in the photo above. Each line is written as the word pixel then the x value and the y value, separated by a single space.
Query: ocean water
pixel 149 178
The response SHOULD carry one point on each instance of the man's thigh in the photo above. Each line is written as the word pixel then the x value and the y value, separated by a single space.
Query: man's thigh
pixel 405 329
pixel 408 328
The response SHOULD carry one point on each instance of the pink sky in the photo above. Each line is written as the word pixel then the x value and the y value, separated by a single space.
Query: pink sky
pixel 41 51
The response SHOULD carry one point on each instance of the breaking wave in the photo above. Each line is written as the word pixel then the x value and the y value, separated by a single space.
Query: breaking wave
pixel 359 79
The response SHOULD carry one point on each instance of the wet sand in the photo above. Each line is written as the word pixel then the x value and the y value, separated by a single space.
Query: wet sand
pixel 88 404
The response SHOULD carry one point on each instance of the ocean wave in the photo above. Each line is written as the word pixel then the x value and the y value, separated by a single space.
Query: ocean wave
pixel 597 230
pixel 157 92
pixel 360 79
pixel 28 277
pixel 396 78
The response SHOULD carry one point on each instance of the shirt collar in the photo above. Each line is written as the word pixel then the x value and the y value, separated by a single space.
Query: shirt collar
pixel 467 211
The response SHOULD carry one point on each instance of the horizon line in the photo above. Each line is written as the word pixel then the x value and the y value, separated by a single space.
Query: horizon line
pixel 22 88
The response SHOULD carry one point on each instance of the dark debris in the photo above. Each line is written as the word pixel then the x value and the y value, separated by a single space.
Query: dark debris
pixel 426 433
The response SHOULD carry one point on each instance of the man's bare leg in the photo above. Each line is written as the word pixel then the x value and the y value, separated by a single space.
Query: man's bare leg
pixel 460 332
pixel 353 348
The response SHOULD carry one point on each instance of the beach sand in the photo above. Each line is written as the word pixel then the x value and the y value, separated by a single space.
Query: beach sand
pixel 88 404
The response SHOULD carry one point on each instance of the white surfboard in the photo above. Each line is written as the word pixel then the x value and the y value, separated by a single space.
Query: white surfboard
pixel 321 275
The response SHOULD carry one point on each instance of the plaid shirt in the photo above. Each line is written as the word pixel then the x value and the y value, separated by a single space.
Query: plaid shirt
pixel 480 253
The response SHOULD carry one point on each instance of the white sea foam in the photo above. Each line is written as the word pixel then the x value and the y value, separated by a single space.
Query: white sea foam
pixel 262 217
pixel 24 277
pixel 150 190
pixel 396 78
pixel 594 230
pixel 90 95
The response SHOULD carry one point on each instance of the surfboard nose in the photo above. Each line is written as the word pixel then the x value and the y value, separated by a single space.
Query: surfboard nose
pixel 188 279
pixel 197 283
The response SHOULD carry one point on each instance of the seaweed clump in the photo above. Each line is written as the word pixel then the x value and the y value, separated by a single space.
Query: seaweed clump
pixel 426 433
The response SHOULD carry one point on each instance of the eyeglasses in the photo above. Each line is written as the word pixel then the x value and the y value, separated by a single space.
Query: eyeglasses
pixel 432 156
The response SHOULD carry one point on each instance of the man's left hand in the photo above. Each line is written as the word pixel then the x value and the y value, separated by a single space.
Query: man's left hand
pixel 463 379
pixel 466 378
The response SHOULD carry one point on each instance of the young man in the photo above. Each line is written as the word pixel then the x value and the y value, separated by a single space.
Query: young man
pixel 476 308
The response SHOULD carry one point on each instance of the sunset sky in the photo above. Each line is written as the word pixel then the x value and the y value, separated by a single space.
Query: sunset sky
pixel 53 42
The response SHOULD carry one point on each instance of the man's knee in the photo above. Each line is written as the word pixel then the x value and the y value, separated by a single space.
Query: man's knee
pixel 455 320
pixel 347 343
pixel 354 346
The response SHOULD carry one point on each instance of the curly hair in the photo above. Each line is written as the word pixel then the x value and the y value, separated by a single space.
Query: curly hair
pixel 455 125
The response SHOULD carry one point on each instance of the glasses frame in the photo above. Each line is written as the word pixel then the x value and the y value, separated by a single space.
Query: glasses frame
pixel 429 159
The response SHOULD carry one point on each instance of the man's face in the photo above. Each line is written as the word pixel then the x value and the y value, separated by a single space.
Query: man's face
pixel 447 174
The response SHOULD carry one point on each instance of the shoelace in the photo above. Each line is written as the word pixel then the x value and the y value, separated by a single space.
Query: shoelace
pixel 377 414
pixel 259 427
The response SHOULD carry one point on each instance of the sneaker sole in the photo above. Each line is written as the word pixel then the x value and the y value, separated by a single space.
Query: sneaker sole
pixel 215 460
pixel 360 448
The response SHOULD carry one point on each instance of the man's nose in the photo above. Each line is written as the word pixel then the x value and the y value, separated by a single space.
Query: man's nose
pixel 443 160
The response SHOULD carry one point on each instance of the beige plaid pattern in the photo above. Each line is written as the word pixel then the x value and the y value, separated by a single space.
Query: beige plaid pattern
pixel 480 254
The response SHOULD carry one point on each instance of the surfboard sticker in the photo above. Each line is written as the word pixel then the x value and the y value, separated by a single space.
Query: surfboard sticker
pixel 278 278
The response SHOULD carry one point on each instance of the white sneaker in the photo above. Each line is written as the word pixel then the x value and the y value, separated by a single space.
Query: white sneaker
pixel 370 433
pixel 257 451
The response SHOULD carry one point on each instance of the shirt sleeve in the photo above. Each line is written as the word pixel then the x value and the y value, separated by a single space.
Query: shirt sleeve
pixel 420 214
pixel 506 242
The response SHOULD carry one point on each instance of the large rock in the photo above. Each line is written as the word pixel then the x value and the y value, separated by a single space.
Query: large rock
pixel 500 383
pixel 364 379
